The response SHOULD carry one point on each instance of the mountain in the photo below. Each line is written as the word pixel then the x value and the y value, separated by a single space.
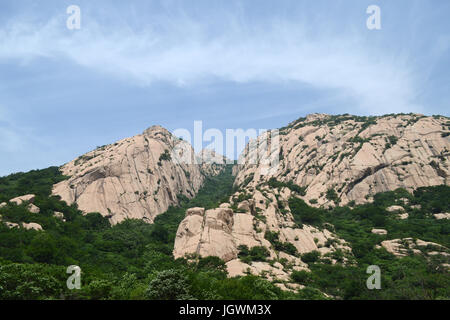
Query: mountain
pixel 146 218
pixel 348 159
pixel 134 178
pixel 334 159
pixel 325 161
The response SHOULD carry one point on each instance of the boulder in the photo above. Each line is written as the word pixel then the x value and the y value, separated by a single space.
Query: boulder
pixel 379 231
pixel 26 198
pixel 403 216
pixel 59 215
pixel 395 209
pixel 32 226
pixel 206 233
pixel 440 216
pixel 33 209
pixel 246 205
pixel 195 211
pixel 12 225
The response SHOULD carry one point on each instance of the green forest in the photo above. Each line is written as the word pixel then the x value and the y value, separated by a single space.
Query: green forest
pixel 133 259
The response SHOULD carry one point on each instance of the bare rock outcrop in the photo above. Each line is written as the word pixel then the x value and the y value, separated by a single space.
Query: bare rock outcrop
pixel 59 215
pixel 33 209
pixel 223 231
pixel 32 226
pixel 440 216
pixel 206 233
pixel 403 216
pixel 27 226
pixel 354 157
pixel 29 198
pixel 407 246
pixel 398 209
pixel 137 177
pixel 379 231
pixel 26 198
pixel 12 225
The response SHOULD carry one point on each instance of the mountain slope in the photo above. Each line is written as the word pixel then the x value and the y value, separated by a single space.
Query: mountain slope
pixel 133 178
pixel 327 161
pixel 261 226
pixel 349 159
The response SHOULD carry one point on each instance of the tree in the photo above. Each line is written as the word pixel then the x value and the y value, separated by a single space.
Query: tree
pixel 169 284
pixel 212 264
pixel 301 277
pixel 43 248
pixel 311 257
pixel 31 281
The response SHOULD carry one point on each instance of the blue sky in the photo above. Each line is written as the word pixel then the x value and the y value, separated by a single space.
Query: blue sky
pixel 232 64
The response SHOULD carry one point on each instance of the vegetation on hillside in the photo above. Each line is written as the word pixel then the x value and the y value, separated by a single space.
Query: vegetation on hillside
pixel 133 260
pixel 411 277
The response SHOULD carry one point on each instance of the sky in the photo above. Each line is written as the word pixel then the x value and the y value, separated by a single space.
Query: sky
pixel 232 64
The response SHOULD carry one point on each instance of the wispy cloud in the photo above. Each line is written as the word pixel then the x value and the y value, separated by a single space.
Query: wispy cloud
pixel 187 53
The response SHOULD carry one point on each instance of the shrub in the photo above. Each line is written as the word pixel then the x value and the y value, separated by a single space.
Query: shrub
pixel 169 284
pixel 301 277
pixel 257 253
pixel 311 257
pixel 303 213
pixel 165 156
pixel 332 195
pixel 274 183
pixel 211 263
pixel 271 236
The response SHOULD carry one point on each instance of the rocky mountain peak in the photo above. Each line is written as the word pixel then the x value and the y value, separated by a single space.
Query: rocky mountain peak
pixel 133 178
pixel 325 161
pixel 156 130
pixel 316 116
pixel 345 158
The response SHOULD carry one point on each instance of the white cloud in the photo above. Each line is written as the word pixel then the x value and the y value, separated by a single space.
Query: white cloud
pixel 187 53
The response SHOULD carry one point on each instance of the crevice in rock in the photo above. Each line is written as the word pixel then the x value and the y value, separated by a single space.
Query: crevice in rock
pixel 366 173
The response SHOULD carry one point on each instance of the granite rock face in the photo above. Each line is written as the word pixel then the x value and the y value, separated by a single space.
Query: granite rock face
pixel 356 157
pixel 137 177
pixel 206 233
pixel 325 161
pixel 222 232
